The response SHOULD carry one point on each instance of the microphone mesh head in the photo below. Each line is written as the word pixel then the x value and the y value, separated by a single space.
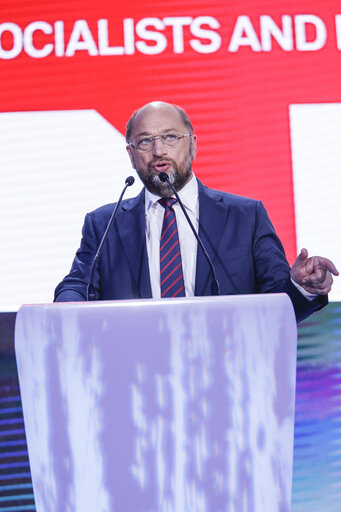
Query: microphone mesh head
pixel 130 180
pixel 163 176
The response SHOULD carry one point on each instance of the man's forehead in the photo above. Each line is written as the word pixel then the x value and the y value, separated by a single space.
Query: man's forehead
pixel 157 117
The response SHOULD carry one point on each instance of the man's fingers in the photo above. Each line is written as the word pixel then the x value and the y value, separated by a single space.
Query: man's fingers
pixel 319 280
pixel 303 255
pixel 301 260
pixel 323 290
pixel 309 266
pixel 318 276
pixel 331 267
pixel 324 264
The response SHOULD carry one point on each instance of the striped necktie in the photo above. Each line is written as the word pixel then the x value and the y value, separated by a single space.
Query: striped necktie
pixel 171 275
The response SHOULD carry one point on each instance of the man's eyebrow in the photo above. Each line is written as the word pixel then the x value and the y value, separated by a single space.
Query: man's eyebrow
pixel 163 131
pixel 142 133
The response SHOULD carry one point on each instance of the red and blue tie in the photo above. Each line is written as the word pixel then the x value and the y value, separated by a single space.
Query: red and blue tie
pixel 171 275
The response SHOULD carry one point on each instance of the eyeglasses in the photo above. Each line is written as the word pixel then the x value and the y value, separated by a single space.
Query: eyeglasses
pixel 168 139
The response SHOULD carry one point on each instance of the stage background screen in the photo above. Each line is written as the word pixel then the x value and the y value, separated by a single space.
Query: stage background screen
pixel 261 84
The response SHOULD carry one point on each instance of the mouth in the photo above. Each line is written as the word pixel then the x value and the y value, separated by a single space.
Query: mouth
pixel 161 166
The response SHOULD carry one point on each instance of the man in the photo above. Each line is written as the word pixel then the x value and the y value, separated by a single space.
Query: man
pixel 236 232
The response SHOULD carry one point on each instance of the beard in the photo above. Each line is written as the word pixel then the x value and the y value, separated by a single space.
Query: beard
pixel 178 175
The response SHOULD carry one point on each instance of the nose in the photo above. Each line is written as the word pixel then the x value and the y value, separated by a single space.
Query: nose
pixel 158 147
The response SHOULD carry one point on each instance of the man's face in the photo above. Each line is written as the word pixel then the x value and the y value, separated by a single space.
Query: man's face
pixel 159 119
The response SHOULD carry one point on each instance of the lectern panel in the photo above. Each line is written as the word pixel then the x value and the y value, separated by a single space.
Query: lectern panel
pixel 171 405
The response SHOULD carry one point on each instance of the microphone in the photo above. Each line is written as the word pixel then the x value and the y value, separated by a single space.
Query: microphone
pixel 215 285
pixel 91 291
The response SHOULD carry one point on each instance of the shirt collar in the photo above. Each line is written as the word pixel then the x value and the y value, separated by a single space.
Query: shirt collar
pixel 188 195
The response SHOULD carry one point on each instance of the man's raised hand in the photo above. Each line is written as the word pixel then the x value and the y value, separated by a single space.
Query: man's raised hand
pixel 314 274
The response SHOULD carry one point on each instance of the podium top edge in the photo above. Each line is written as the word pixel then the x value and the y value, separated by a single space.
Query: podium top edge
pixel 133 303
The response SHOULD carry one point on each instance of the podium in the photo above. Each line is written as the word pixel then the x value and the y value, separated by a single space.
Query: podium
pixel 172 405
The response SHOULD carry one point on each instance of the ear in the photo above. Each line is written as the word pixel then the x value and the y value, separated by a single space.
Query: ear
pixel 194 146
pixel 131 156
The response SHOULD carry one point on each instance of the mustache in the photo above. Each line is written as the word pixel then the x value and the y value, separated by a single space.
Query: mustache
pixel 157 160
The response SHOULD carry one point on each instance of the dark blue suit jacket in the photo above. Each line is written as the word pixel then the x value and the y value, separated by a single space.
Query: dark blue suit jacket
pixel 247 255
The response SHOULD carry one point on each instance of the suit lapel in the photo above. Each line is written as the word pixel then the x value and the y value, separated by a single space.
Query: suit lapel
pixel 131 228
pixel 213 216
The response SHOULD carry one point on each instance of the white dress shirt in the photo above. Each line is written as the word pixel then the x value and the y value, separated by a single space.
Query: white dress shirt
pixel 188 243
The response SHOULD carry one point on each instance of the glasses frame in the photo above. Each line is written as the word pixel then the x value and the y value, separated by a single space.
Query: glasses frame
pixel 154 137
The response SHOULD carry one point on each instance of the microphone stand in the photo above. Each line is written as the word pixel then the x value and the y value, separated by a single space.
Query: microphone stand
pixel 91 290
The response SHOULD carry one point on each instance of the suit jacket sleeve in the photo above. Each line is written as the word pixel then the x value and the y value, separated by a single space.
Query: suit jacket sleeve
pixel 272 269
pixel 73 288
